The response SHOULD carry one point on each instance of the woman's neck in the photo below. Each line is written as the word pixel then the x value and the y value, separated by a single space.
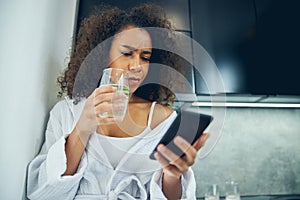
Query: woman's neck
pixel 136 99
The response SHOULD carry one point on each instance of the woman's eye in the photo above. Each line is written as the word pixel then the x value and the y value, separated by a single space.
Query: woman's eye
pixel 146 59
pixel 126 53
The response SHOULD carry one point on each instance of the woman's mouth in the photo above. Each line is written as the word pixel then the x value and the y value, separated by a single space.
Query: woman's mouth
pixel 134 81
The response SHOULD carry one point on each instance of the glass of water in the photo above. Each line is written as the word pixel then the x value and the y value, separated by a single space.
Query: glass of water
pixel 232 190
pixel 118 78
pixel 212 192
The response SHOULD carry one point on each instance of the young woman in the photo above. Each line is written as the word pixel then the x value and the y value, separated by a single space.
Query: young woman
pixel 88 157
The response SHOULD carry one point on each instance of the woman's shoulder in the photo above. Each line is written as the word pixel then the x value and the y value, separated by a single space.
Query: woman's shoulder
pixel 64 106
pixel 160 114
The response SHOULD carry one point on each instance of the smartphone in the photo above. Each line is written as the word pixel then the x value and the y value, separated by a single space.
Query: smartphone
pixel 188 124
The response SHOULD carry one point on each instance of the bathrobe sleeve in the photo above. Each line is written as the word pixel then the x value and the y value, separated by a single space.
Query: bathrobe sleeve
pixel 188 185
pixel 45 180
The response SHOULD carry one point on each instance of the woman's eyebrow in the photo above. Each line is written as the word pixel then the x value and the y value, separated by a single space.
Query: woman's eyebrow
pixel 129 47
pixel 134 49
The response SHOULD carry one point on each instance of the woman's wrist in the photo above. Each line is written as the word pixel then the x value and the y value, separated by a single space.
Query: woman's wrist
pixel 83 135
pixel 171 186
pixel 171 178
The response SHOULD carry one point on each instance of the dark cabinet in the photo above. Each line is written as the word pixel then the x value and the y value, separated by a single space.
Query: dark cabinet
pixel 253 42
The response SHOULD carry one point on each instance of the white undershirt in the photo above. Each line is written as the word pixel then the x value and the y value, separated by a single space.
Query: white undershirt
pixel 115 148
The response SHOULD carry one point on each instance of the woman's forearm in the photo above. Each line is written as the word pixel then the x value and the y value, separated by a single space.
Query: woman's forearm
pixel 74 148
pixel 171 187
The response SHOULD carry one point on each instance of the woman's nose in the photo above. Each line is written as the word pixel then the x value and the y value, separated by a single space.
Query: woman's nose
pixel 134 65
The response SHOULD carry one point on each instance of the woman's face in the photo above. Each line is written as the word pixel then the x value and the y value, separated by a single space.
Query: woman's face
pixel 131 50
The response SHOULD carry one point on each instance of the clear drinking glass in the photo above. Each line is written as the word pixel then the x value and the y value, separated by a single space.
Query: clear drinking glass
pixel 232 190
pixel 212 192
pixel 117 78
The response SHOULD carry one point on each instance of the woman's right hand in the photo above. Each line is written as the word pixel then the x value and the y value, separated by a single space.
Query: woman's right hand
pixel 98 102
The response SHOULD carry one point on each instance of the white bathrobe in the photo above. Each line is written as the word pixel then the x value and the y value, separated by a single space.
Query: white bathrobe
pixel 134 177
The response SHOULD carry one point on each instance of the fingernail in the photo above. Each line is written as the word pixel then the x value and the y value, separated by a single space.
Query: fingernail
pixel 161 147
pixel 178 140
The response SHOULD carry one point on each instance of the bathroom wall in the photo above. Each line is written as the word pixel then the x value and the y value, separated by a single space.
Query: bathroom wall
pixel 35 39
pixel 259 148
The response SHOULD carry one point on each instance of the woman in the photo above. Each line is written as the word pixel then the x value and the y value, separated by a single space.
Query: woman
pixel 88 157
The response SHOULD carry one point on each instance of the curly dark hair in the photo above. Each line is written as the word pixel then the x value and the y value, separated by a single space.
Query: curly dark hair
pixel 80 79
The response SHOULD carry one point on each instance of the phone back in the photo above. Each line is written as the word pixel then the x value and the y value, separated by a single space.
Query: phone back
pixel 189 125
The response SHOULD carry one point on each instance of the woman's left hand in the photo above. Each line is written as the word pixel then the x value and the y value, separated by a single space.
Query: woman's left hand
pixel 173 165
